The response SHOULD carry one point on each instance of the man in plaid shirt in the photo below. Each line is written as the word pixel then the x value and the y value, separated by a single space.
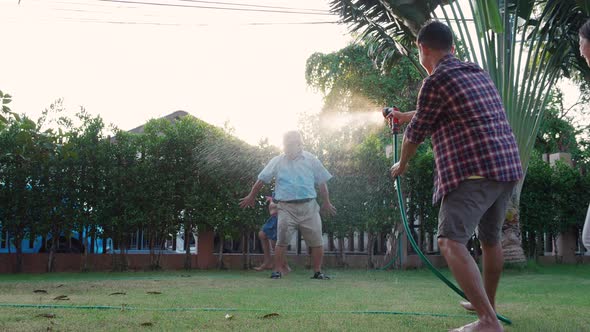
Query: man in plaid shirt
pixel 477 164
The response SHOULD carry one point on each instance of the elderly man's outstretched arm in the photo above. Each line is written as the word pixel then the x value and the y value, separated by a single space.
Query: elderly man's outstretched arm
pixel 249 200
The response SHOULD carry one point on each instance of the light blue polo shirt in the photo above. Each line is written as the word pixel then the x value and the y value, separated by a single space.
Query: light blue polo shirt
pixel 295 179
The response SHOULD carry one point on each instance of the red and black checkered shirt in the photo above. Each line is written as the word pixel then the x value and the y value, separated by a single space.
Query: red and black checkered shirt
pixel 460 108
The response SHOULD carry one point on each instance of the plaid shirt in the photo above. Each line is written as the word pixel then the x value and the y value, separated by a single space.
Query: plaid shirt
pixel 460 107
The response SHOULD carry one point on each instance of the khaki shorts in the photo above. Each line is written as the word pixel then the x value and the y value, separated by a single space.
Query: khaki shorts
pixel 480 204
pixel 302 216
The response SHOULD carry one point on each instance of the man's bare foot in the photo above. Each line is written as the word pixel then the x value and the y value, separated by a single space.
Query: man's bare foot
pixel 479 326
pixel 467 305
pixel 263 267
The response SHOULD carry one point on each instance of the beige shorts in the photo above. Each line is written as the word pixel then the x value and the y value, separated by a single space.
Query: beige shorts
pixel 302 216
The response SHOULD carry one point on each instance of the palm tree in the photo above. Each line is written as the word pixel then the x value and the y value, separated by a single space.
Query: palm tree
pixel 525 45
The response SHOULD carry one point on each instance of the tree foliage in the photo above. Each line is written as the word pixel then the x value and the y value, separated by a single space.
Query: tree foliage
pixel 554 200
pixel 562 131
pixel 60 176
pixel 5 112
pixel 352 82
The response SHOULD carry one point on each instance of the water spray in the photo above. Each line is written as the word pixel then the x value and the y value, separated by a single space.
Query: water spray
pixel 395 128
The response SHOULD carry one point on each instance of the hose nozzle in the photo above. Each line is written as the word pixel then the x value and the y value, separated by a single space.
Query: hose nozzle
pixel 393 122
pixel 388 110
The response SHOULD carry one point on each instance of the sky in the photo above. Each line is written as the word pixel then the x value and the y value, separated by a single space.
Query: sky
pixel 131 61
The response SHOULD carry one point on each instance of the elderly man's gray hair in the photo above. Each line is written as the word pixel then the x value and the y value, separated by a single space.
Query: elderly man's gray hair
pixel 293 136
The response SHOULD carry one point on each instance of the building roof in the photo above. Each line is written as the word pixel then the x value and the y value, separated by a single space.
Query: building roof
pixel 173 117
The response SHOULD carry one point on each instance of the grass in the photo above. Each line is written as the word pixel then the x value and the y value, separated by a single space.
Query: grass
pixel 553 298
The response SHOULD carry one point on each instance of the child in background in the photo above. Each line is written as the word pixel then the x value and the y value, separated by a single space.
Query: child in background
pixel 268 236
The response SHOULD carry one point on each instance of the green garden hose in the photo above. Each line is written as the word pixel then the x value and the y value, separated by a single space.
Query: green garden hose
pixel 131 308
pixel 397 182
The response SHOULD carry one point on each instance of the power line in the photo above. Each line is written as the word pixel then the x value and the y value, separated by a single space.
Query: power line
pixel 78 20
pixel 123 22
pixel 214 7
pixel 86 4
pixel 211 2
pixel 81 11
pixel 106 16
pixel 291 23
pixel 258 6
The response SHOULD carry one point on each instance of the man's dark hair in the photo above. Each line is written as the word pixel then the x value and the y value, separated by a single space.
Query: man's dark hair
pixel 585 30
pixel 436 35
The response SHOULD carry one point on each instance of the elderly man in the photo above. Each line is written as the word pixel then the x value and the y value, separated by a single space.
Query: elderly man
pixel 477 164
pixel 296 172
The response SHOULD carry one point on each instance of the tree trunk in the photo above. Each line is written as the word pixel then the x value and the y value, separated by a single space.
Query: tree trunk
pixel 123 256
pixel 511 236
pixel 220 256
pixel 120 260
pixel 370 251
pixel 540 246
pixel 153 264
pixel 43 244
pixel 341 255
pixel 555 248
pixel 92 242
pixel 19 254
pixel 392 254
pixel 155 250
pixel 361 242
pixel 251 240
pixel 52 249
pixel 421 230
pixel 8 244
pixel 245 250
pixel 114 257
pixel 351 242
pixel 531 245
pixel 155 247
pixel 86 245
pixel 187 246
pixel 161 245
pixel 85 260
pixel 331 245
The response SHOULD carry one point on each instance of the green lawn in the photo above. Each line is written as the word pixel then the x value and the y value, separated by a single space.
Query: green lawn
pixel 555 298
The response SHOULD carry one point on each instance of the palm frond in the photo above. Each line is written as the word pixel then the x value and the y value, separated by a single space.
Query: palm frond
pixel 525 45
pixel 391 25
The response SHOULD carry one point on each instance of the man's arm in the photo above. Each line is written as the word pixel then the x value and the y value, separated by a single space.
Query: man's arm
pixel 264 177
pixel 249 200
pixel 327 206
pixel 408 151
